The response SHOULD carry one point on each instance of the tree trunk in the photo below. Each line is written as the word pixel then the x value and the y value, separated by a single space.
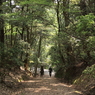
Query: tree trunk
pixel 2 75
pixel 59 31
pixel 83 7
pixel 28 39
pixel 38 56
pixel 11 35
pixel 66 11
pixel 1 24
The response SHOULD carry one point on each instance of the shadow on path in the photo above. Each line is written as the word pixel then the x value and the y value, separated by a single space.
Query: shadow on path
pixel 46 86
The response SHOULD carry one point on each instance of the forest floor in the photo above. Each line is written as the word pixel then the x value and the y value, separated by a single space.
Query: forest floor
pixel 40 86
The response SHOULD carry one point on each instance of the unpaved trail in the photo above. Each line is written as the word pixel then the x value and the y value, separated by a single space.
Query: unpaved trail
pixel 46 86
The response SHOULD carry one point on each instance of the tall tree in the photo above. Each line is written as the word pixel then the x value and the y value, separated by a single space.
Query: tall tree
pixel 1 23
pixel 83 7
pixel 66 12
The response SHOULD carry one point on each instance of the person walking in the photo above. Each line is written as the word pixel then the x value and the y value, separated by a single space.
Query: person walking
pixel 42 71
pixel 50 71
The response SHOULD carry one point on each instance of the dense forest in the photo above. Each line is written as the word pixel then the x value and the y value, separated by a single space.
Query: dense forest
pixel 57 33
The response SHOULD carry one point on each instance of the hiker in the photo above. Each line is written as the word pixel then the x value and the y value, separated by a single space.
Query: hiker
pixel 50 71
pixel 41 71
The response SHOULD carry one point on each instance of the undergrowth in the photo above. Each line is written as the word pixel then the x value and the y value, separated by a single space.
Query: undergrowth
pixel 87 80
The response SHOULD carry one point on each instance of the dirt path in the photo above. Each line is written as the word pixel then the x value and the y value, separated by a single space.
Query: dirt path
pixel 46 86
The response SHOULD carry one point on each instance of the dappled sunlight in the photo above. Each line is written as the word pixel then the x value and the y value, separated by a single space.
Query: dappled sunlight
pixel 16 93
pixel 30 81
pixel 78 92
pixel 74 93
pixel 61 84
pixel 46 86
pixel 43 88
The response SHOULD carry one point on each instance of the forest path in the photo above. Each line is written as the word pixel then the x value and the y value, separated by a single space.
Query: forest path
pixel 46 86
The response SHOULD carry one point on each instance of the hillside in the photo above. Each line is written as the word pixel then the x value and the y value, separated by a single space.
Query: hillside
pixel 86 82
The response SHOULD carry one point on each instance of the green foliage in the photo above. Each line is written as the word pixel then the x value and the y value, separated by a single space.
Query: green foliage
pixel 90 71
pixel 87 79
pixel 55 57
pixel 60 72
pixel 11 56
pixel 69 34
pixel 85 25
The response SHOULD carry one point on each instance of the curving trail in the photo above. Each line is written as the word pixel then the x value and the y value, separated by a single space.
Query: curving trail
pixel 46 86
